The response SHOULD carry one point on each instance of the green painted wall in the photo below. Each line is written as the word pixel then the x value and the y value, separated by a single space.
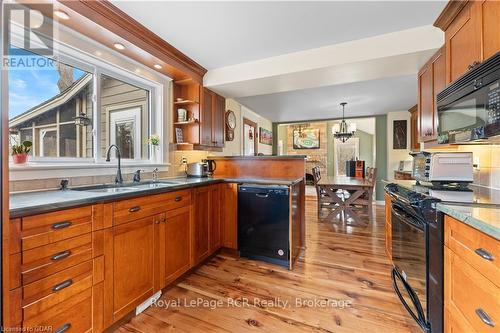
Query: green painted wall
pixel 381 153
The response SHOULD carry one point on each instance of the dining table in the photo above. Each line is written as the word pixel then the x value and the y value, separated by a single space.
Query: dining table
pixel 342 202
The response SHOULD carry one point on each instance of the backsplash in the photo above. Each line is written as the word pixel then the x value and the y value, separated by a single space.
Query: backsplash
pixel 488 159
pixel 176 169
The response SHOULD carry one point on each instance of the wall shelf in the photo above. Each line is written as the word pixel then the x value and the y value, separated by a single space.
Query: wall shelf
pixel 185 102
pixel 188 122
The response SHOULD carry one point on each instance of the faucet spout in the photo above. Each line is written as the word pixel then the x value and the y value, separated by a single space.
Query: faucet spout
pixel 119 177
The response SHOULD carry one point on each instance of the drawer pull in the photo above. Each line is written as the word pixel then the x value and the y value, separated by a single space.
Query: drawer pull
pixel 61 225
pixel 484 254
pixel 484 317
pixel 61 255
pixel 178 198
pixel 135 209
pixel 63 328
pixel 62 285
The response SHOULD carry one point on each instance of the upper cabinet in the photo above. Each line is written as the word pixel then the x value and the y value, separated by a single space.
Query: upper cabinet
pixel 431 80
pixel 472 34
pixel 198 117
pixel 212 119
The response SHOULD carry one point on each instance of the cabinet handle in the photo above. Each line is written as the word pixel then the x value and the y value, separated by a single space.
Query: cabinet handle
pixel 62 285
pixel 484 317
pixel 63 328
pixel 61 255
pixel 135 209
pixel 484 254
pixel 179 198
pixel 61 225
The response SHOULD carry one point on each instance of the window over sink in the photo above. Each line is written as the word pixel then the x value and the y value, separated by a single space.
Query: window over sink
pixel 72 106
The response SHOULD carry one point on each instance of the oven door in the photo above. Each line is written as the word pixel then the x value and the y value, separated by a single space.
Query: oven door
pixel 409 257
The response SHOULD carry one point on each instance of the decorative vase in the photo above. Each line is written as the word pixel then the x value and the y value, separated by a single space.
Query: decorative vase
pixel 154 153
pixel 19 158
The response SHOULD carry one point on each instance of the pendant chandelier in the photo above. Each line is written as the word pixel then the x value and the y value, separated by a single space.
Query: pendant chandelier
pixel 343 131
pixel 300 129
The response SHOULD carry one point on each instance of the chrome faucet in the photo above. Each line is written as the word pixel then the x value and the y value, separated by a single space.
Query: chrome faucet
pixel 118 178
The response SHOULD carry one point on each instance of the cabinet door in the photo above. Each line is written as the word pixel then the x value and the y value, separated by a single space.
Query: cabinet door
pixel 177 243
pixel 215 218
pixel 388 226
pixel 415 145
pixel 425 103
pixel 206 118
pixel 438 84
pixel 229 215
pixel 200 245
pixel 463 41
pixel 490 11
pixel 133 264
pixel 219 120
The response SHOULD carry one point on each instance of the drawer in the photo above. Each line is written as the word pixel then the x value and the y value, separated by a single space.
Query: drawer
pixel 133 209
pixel 71 316
pixel 39 230
pixel 46 260
pixel 478 249
pixel 470 294
pixel 43 294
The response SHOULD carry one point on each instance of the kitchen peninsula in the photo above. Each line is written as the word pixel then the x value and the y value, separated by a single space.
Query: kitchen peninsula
pixel 107 249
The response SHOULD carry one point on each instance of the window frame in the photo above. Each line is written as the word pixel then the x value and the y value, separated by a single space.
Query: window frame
pixel 90 63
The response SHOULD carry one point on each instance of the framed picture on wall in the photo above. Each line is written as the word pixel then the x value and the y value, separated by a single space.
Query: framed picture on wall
pixel 265 136
pixel 399 134
pixel 307 138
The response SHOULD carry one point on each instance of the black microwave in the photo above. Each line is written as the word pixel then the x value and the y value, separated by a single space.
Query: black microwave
pixel 469 108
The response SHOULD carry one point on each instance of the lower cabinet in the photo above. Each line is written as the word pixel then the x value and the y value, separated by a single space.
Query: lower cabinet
pixel 83 269
pixel 471 279
pixel 206 225
pixel 134 250
pixel 388 226
pixel 177 233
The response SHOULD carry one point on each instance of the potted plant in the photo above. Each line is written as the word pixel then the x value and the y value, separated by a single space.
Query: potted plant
pixel 20 152
pixel 154 141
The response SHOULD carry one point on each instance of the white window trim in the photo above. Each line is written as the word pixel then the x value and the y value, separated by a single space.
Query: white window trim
pixel 123 68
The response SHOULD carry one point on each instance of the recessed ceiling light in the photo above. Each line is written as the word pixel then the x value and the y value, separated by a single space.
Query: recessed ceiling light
pixel 157 66
pixel 119 46
pixel 61 14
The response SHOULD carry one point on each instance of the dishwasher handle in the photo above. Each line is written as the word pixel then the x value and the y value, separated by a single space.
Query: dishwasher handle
pixel 262 195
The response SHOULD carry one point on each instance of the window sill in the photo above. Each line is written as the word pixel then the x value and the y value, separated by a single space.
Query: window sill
pixel 34 170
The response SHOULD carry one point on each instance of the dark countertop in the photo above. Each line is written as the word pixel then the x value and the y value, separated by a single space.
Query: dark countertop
pixel 262 157
pixel 31 203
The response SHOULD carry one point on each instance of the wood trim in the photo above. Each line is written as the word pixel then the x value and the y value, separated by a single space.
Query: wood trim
pixel 248 122
pixel 4 181
pixel 110 17
pixel 449 13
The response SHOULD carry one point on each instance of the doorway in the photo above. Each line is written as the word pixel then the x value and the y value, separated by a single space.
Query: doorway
pixel 250 142
pixel 125 131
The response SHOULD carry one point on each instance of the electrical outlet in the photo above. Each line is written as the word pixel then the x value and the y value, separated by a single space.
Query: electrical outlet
pixel 184 160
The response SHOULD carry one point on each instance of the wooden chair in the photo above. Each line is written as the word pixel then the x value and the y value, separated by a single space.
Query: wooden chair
pixel 367 198
pixel 323 198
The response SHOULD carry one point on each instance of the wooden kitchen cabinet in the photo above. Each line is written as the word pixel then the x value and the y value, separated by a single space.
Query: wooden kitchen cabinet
pixel 177 249
pixel 215 238
pixel 206 224
pixel 388 226
pixel 471 35
pixel 201 203
pixel 470 260
pixel 229 208
pixel 212 119
pixel 134 250
pixel 431 80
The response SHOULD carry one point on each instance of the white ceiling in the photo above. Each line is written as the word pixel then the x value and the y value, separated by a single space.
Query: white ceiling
pixel 217 34
pixel 366 98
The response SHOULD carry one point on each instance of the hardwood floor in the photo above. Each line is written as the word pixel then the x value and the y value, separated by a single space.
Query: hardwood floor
pixel 342 262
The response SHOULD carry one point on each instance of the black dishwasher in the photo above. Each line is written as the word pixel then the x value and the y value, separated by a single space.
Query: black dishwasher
pixel 263 223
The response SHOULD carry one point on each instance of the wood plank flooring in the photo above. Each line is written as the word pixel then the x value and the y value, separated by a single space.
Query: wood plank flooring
pixel 342 263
